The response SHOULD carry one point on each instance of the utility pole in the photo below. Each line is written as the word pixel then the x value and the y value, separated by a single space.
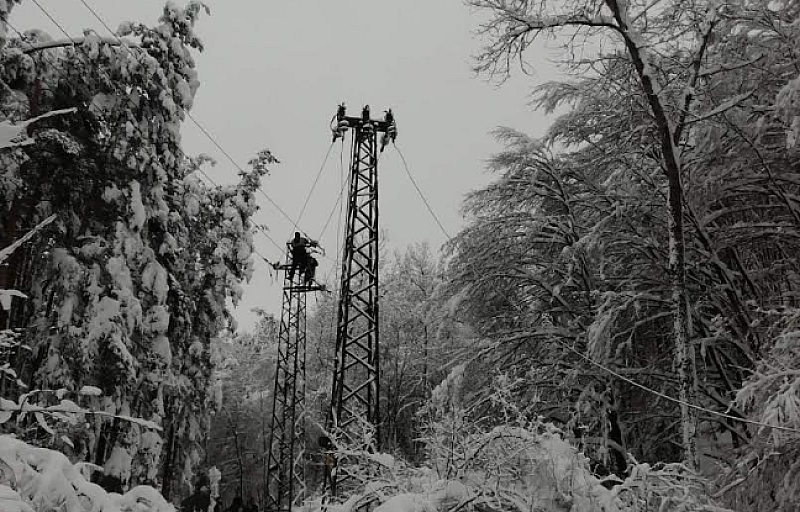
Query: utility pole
pixel 286 448
pixel 353 417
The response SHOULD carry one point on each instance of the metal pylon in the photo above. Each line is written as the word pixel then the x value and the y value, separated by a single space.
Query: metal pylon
pixel 356 386
pixel 285 451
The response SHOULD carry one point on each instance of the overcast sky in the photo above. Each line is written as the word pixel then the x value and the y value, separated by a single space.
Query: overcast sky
pixel 272 74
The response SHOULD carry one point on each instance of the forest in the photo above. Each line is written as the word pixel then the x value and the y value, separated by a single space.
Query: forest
pixel 615 328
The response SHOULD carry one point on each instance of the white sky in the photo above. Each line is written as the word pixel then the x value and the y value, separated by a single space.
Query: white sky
pixel 273 73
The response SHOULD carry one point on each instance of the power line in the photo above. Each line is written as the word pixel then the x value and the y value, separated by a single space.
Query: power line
pixel 188 114
pixel 94 13
pixel 609 370
pixel 57 24
pixel 421 195
pixel 673 399
pixel 239 167
pixel 319 173
pixel 123 93
pixel 333 210
pixel 342 181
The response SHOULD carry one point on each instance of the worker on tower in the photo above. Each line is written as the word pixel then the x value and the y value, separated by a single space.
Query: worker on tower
pixel 311 270
pixel 299 247
pixel 391 129
pixel 339 124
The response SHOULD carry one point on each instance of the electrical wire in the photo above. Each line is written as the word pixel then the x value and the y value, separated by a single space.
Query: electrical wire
pixel 607 369
pixel 421 195
pixel 227 155
pixel 343 177
pixel 342 181
pixel 673 399
pixel 188 114
pixel 333 210
pixel 310 192
pixel 56 23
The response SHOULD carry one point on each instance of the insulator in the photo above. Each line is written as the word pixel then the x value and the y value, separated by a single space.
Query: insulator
pixel 344 123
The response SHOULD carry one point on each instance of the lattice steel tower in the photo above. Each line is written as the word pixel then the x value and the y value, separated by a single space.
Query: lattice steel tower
pixel 286 448
pixel 355 390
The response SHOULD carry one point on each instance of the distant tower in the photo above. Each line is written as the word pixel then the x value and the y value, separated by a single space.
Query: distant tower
pixel 286 448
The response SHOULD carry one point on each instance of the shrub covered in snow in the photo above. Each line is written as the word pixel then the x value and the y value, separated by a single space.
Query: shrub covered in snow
pixel 40 480
pixel 514 469
pixel 519 466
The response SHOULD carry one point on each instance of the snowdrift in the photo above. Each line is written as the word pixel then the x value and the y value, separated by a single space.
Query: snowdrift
pixel 40 480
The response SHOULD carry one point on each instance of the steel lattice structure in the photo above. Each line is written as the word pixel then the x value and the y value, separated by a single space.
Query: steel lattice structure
pixel 285 451
pixel 356 385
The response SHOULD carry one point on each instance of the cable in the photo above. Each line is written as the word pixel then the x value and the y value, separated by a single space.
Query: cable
pixel 609 370
pixel 421 195
pixel 336 269
pixel 94 13
pixel 319 173
pixel 57 24
pixel 123 93
pixel 194 120
pixel 333 210
pixel 673 399
pixel 342 181
pixel 343 177
pixel 238 167
pixel 188 114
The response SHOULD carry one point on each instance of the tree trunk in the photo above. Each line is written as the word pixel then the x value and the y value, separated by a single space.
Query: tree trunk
pixel 684 354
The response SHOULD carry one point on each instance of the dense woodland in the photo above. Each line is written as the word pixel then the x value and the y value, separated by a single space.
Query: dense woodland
pixel 623 297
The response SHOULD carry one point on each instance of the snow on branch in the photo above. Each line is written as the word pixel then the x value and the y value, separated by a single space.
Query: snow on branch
pixel 11 135
pixel 40 480
pixel 75 41
pixel 731 103
pixel 5 252
pixel 514 25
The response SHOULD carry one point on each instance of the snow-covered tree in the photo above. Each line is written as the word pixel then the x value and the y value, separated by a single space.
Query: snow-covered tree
pixel 685 103
pixel 417 345
pixel 135 279
pixel 241 426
